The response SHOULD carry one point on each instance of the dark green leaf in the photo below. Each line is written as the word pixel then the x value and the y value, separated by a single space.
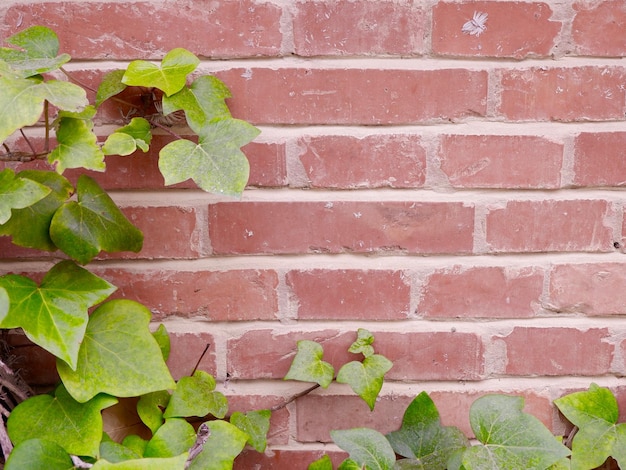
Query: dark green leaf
pixel 35 454
pixel 173 438
pixel 129 138
pixel 171 463
pixel 81 229
pixel 423 439
pixel 216 164
pixel 307 365
pixel 77 427
pixel 225 442
pixel 196 396
pixel 18 193
pixel 110 86
pixel 366 378
pixel 118 356
pixel 77 145
pixel 256 424
pixel 54 315
pixel 150 409
pixel 170 77
pixel 363 343
pixel 366 447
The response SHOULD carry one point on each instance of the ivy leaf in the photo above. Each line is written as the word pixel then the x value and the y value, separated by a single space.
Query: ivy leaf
pixel 135 443
pixel 225 442
pixel 30 227
pixel 599 437
pixel 127 139
pixel 18 193
pixel 170 77
pixel 33 454
pixel 65 95
pixel 307 365
pixel 510 438
pixel 77 427
pixel 323 463
pixel 422 439
pixel 150 409
pixel 363 343
pixel 54 315
pixel 173 438
pixel 202 102
pixel 216 164
pixel 171 463
pixel 81 229
pixel 350 464
pixel 118 355
pixel 163 340
pixel 256 424
pixel 114 452
pixel 77 144
pixel 196 396
pixel 366 447
pixel 21 104
pixel 366 378
pixel 110 86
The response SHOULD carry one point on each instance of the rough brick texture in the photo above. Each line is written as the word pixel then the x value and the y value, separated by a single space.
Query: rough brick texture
pixel 459 195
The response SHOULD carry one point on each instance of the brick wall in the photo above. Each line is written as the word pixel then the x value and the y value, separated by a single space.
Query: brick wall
pixel 458 195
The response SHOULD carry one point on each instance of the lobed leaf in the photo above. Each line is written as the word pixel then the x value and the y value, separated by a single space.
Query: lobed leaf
pixel 127 139
pixel 175 437
pixel 256 424
pixel 150 409
pixel 365 378
pixel 225 442
pixel 307 365
pixel 18 193
pixel 363 343
pixel 366 447
pixel 196 396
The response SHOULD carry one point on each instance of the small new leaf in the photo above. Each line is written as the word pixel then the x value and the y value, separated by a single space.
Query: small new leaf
pixel 18 193
pixel 127 139
pixel 366 447
pixel 307 365
pixel 366 378
pixel 363 343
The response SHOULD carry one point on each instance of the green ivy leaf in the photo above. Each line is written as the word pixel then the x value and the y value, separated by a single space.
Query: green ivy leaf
pixel 118 356
pixel 256 424
pixel 81 229
pixel 163 340
pixel 350 464
pixel 196 396
pixel 422 439
pixel 18 193
pixel 171 463
pixel 110 86
pixel 363 343
pixel 21 104
pixel 30 227
pixel 173 438
pixel 216 164
pixel 34 454
pixel 135 443
pixel 114 452
pixel 65 95
pixel 77 145
pixel 307 365
pixel 366 378
pixel 170 77
pixel 127 139
pixel 510 438
pixel 599 437
pixel 77 427
pixel 54 315
pixel 150 409
pixel 366 447
pixel 225 442
pixel 323 463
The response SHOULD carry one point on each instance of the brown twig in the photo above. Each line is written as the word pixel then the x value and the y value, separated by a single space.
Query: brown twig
pixel 294 398
pixel 201 437
pixel 5 443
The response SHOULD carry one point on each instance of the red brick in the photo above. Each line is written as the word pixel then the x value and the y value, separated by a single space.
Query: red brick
pixel 343 162
pixel 323 294
pixel 563 94
pixel 362 27
pixel 557 351
pixel 592 289
pixel 233 295
pixel 481 292
pixel 549 225
pixel 268 164
pixel 279 422
pixel 186 352
pixel 284 459
pixel 143 30
pixel 337 227
pixel 355 96
pixel 501 161
pixel 598 159
pixel 599 28
pixel 514 29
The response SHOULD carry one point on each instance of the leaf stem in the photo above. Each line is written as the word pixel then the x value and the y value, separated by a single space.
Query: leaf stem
pixel 294 397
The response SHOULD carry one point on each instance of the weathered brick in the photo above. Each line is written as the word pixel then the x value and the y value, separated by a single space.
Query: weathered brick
pixel 344 162
pixel 232 295
pixel 323 294
pixel 355 96
pixel 143 30
pixel 598 159
pixel 187 351
pixel 285 459
pixel 361 27
pixel 557 351
pixel 481 292
pixel 550 225
pixel 279 431
pixel 513 29
pixel 563 94
pixel 339 226
pixel 599 28
pixel 592 289
pixel 501 161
